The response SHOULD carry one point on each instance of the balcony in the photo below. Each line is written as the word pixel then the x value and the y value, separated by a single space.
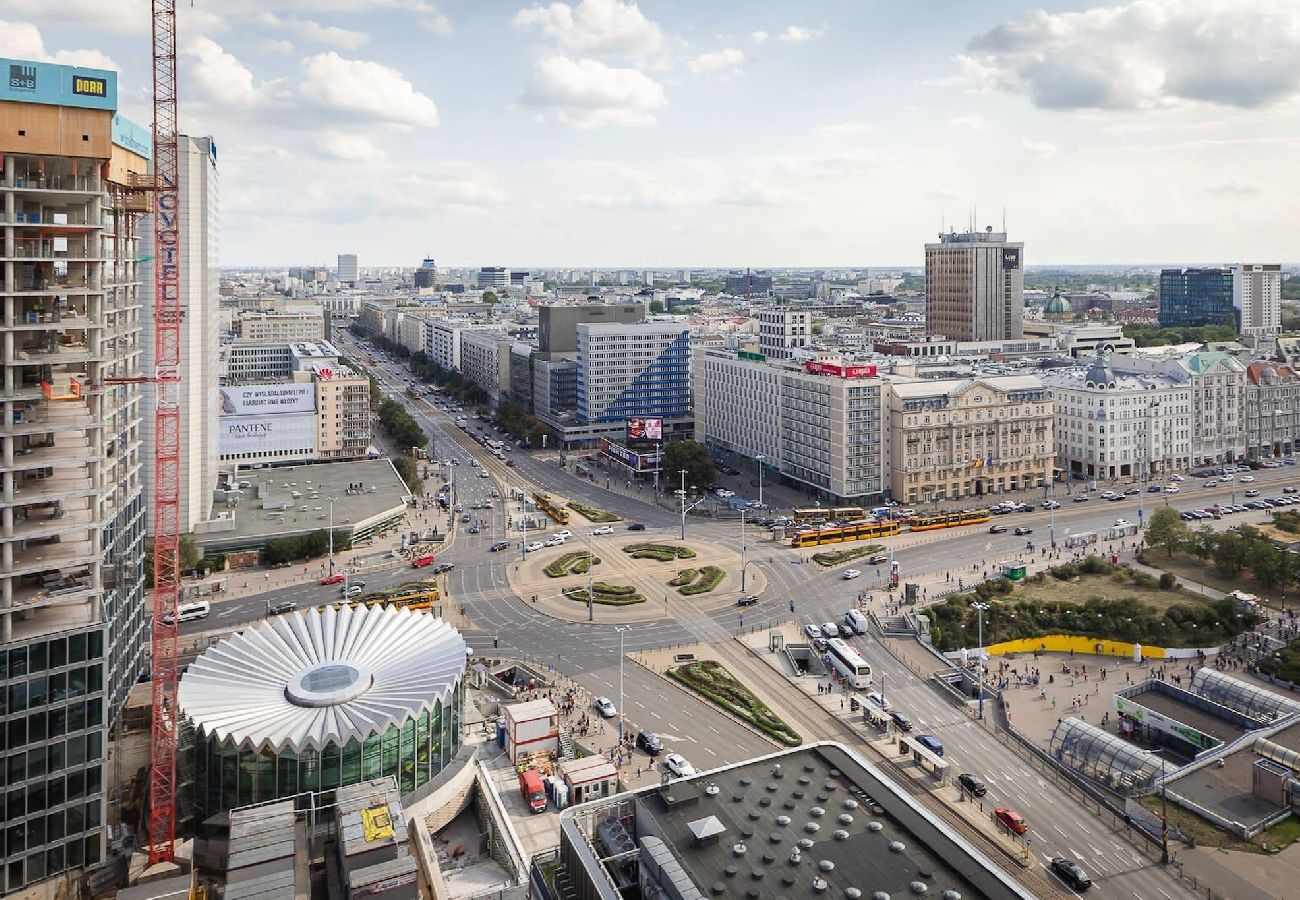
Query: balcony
pixel 58 554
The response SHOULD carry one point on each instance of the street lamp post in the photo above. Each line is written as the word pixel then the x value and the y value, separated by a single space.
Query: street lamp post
pixel 591 605
pixel 759 459
pixel 620 629
pixel 744 551
pixel 659 465
pixel 1051 525
pixel 683 474
pixel 979 611
pixel 1164 815
pixel 330 501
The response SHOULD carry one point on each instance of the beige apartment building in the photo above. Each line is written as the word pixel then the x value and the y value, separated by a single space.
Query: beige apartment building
pixel 974 287
pixel 342 413
pixel 968 437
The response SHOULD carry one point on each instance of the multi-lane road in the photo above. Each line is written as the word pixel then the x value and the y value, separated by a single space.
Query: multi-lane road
pixel 590 652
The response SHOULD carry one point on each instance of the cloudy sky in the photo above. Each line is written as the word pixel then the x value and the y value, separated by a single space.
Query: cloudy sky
pixel 726 133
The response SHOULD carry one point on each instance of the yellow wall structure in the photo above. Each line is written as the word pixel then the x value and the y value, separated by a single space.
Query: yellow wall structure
pixel 1064 643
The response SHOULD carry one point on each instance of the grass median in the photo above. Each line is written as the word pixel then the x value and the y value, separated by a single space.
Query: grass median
pixel 714 682
pixel 659 552
pixel 603 594
pixel 594 513
pixel 701 581
pixel 830 558
pixel 571 564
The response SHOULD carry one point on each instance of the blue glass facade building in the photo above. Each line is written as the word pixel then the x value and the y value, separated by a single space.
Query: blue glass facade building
pixel 633 370
pixel 1190 298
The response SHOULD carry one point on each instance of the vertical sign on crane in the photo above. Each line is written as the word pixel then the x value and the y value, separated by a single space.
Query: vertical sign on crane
pixel 167 437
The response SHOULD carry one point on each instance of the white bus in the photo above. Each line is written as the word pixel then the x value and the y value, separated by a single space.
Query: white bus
pixel 845 660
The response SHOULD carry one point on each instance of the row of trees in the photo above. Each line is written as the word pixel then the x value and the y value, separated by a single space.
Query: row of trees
pixel 308 546
pixel 453 382
pixel 691 456
pixel 401 427
pixel 520 424
pixel 1153 336
pixel 1242 548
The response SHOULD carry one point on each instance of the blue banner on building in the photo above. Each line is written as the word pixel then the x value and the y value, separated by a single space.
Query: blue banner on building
pixel 130 136
pixel 23 81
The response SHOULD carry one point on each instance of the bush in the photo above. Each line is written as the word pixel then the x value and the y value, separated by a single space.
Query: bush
pixel 614 590
pixel 659 552
pixel 835 557
pixel 1167 581
pixel 685 576
pixel 714 682
pixel 593 513
pixel 604 599
pixel 710 577
pixel 570 563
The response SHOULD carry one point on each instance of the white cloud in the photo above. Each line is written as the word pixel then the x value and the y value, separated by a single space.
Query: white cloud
pixel 436 23
pixel 586 93
pixel 728 60
pixel 1145 54
pixel 602 28
pixel 1041 149
pixel 758 37
pixel 22 40
pixel 357 92
pixel 121 16
pixel 347 145
pixel 313 31
pixel 797 34
pixel 971 123
pixel 840 130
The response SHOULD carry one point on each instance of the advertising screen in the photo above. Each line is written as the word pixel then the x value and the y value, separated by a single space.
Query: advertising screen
pixel 645 428
pixel 293 433
pixel 812 367
pixel 263 399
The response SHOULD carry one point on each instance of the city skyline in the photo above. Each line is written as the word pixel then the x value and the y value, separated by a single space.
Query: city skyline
pixel 667 133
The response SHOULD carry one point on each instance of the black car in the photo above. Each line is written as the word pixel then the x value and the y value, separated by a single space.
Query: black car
pixel 1071 873
pixel 279 609
pixel 442 567
pixel 747 600
pixel 902 721
pixel 973 784
pixel 1132 492
pixel 636 526
pixel 498 546
pixel 998 529
pixel 648 742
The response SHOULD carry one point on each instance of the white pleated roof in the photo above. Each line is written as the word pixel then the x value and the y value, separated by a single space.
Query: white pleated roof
pixel 372 667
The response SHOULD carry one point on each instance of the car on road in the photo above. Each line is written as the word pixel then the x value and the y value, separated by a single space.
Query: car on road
pixel 554 541
pixel 601 529
pixel 649 742
pixel 421 561
pixel 1023 530
pixel 1121 523
pixel 1071 873
pixel 831 630
pixel 636 526
pixel 850 574
pixel 1130 492
pixel 474 529
pixel 336 578
pixel 812 632
pixel 1171 489
pixel 1176 477
pixel 1290 490
pixel 484 474
pixel 1155 489
pixel 499 546
pixel 972 784
pixel 353 590
pixel 747 600
pixel 1247 479
pixel 563 533
pixel 1106 495
pixel 1082 498
pixel 464 519
pixel 677 765
pixel 279 609
pixel 1252 493
pixel 998 529
pixel 1012 819
pixel 878 560
pixel 901 721
pixel 605 707
pixel 931 743
pixel 534 547
pixel 1051 504
pixel 442 567
pixel 877 699
pixel 724 493
pixel 1210 483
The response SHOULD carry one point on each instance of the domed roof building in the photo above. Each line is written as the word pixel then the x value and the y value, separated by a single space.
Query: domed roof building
pixel 323 698
pixel 1057 307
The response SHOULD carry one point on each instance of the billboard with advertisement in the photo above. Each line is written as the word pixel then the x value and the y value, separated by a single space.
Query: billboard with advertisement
pixel 24 81
pixel 812 367
pixel 645 428
pixel 1011 257
pixel 639 462
pixel 263 399
pixel 253 436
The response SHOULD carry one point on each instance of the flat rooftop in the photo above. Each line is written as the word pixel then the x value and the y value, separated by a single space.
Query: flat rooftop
pixel 732 832
pixel 266 506
pixel 1202 721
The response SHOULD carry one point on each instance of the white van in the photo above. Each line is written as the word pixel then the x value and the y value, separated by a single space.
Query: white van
pixel 199 609
pixel 856 620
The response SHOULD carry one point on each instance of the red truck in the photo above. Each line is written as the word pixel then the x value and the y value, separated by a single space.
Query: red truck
pixel 422 561
pixel 530 786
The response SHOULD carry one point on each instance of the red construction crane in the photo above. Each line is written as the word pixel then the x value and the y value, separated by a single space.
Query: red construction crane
pixel 167 435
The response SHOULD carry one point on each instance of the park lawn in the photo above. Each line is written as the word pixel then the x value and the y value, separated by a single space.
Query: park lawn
pixel 1078 591
pixel 1184 565
pixel 1206 834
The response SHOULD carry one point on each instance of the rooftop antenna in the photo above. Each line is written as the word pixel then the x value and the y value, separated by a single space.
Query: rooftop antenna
pixel 1004 218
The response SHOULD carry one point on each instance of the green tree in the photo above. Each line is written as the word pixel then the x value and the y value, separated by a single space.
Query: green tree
pixel 656 306
pixel 410 472
pixel 189 554
pixel 691 456
pixel 376 395
pixel 1167 530
pixel 491 297
pixel 1266 564
pixel 1230 551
